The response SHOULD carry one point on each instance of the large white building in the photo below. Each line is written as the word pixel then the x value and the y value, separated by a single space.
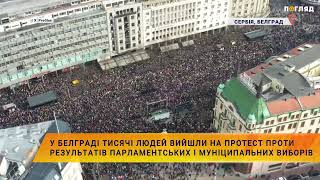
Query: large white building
pixel 281 95
pixel 39 37
pixel 18 147
pixel 249 8
pixel 165 20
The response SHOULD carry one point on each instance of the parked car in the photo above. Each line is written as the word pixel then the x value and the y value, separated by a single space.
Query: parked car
pixel 292 165
pixel 314 173
pixel 281 178
pixel 305 176
pixel 295 177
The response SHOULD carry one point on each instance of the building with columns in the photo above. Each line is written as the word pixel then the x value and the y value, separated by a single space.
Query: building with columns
pixel 281 95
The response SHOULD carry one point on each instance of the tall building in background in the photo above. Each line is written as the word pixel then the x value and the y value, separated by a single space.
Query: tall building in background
pixel 249 8
pixel 281 95
pixel 18 147
pixel 39 37
pixel 124 20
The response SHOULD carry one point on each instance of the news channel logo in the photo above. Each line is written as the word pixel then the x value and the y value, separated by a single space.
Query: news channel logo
pixel 297 7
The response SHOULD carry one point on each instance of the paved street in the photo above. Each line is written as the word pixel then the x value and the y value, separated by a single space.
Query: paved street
pixel 297 170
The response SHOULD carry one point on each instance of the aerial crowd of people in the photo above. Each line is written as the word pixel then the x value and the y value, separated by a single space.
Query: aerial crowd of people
pixel 116 100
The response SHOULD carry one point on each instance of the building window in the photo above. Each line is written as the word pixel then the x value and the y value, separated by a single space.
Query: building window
pixel 295 125
pixel 290 125
pixel 312 122
pixel 292 117
pixel 275 167
pixel 277 129
pixel 302 124
pixel 305 115
pixel 309 131
pixel 265 131
pixel 270 130
pixel 280 119
pixel 315 113
pixel 282 127
pixel 297 116
pixel 285 119
pixel 272 122
pixel 267 122
pixel 317 130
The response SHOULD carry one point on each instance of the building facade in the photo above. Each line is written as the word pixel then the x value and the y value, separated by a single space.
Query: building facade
pixel 281 95
pixel 166 20
pixel 124 19
pixel 40 50
pixel 39 37
pixel 249 8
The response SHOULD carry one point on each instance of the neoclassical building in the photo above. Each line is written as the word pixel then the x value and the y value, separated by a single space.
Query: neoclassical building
pixel 281 95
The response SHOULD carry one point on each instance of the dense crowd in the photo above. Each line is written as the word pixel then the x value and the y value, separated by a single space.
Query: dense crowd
pixel 116 100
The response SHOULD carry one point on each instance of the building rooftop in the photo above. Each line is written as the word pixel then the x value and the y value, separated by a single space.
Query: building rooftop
pixel 293 81
pixel 308 56
pixel 58 20
pixel 18 145
pixel 311 101
pixel 44 171
pixel 286 69
pixel 12 7
pixel 288 105
pixel 282 85
pixel 249 107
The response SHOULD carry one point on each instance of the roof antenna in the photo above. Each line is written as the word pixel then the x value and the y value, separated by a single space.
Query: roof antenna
pixel 58 131
pixel 55 120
